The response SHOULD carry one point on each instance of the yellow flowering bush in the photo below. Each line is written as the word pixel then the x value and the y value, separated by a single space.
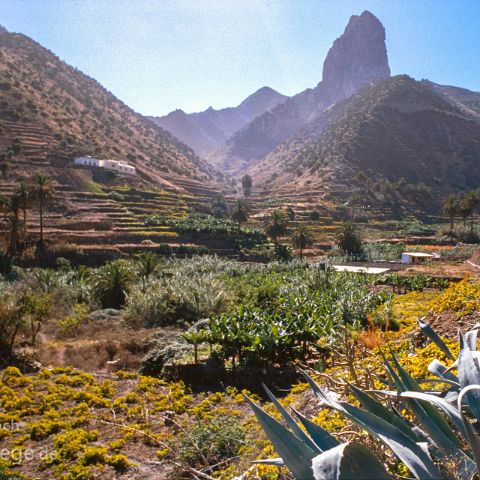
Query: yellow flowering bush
pixel 463 298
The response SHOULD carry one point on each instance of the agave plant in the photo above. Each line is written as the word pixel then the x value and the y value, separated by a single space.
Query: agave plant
pixel 443 438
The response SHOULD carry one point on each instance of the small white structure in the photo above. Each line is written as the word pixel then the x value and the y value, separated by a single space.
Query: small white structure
pixel 351 269
pixel 416 257
pixel 120 166
pixel 88 161
pixel 116 165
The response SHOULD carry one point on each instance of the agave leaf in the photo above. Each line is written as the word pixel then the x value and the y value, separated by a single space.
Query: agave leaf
pixel 441 371
pixel 348 461
pixel 453 366
pixel 469 374
pixel 393 374
pixel 452 413
pixel 323 439
pixel 428 331
pixel 471 339
pixel 473 437
pixel 291 422
pixel 428 417
pixel 375 407
pixel 296 455
pixel 404 448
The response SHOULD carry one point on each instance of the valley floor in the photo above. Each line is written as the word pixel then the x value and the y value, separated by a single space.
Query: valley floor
pixel 65 423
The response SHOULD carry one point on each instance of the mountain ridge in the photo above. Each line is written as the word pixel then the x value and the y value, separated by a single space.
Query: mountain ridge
pixel 393 128
pixel 207 130
pixel 80 117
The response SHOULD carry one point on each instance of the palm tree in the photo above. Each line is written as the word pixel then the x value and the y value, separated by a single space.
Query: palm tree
pixel 302 238
pixel 42 191
pixel 348 239
pixel 450 208
pixel 468 204
pixel 240 213
pixel 24 195
pixel 110 284
pixel 10 206
pixel 148 264
pixel 276 226
pixel 14 227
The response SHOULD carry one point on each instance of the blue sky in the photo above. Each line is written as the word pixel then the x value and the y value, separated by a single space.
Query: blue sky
pixel 158 55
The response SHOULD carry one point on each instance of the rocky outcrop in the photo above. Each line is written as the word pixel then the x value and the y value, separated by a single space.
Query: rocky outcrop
pixel 356 58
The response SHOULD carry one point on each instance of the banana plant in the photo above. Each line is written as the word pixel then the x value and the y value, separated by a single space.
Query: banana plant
pixel 444 430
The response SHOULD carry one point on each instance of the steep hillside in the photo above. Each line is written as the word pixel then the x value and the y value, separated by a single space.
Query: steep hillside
pixel 357 58
pixel 209 130
pixel 50 112
pixel 463 98
pixel 394 128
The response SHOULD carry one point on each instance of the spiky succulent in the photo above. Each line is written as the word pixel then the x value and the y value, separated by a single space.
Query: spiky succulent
pixel 444 432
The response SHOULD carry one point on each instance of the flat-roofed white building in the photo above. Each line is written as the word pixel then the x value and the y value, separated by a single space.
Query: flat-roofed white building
pixel 88 161
pixel 116 165
pixel 416 257
pixel 120 166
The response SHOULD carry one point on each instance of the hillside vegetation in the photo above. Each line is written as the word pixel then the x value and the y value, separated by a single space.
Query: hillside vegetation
pixel 392 129
pixel 49 110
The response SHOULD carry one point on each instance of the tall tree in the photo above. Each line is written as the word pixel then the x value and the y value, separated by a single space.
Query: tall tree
pixel 349 240
pixel 10 207
pixel 14 227
pixel 23 193
pixel 240 213
pixel 450 208
pixel 468 204
pixel 219 206
pixel 247 184
pixel 302 238
pixel 42 191
pixel 276 226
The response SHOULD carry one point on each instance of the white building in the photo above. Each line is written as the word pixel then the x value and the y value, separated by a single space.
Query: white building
pixel 119 166
pixel 89 161
pixel 416 257
pixel 116 165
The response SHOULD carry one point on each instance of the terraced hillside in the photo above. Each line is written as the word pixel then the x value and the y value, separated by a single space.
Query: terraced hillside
pixel 51 112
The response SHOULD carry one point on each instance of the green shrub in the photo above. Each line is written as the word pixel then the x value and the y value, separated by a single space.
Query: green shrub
pixel 111 282
pixel 212 441
pixel 179 297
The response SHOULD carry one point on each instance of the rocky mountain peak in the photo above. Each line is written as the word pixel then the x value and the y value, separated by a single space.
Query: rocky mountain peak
pixel 356 58
pixel 262 99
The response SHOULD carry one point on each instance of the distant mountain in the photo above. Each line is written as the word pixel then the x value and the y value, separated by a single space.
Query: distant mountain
pixel 50 112
pixel 355 59
pixel 394 128
pixel 209 130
